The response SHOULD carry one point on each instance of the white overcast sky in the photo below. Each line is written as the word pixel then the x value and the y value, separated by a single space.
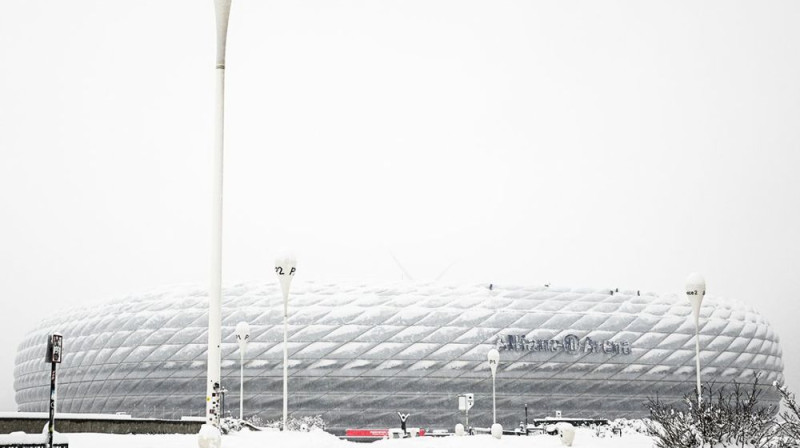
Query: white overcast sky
pixel 581 143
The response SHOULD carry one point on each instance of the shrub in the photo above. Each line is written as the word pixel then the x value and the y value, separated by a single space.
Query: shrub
pixel 305 423
pixel 722 419
pixel 790 419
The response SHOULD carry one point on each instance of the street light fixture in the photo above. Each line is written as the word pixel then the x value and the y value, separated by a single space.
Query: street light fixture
pixel 210 436
pixel 695 291
pixel 494 359
pixel 285 269
pixel 242 337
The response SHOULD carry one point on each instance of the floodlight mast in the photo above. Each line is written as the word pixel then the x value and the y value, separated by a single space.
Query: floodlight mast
pixel 222 12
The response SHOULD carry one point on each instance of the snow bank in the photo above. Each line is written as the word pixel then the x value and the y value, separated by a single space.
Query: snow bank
pixel 584 438
pixel 20 438
pixel 319 439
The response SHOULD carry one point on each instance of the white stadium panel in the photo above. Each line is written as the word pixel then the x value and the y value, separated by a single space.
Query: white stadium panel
pixel 361 352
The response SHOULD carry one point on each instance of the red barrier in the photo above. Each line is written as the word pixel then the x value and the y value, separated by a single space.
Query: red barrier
pixel 367 433
pixel 372 432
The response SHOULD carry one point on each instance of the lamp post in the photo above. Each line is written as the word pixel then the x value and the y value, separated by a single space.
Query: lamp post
pixel 494 359
pixel 210 436
pixel 242 337
pixel 285 269
pixel 695 291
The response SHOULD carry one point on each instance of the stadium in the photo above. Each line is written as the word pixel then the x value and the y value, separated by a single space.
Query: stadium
pixel 358 353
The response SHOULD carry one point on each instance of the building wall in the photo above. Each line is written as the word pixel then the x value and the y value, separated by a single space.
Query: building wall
pixel 359 353
pixel 97 424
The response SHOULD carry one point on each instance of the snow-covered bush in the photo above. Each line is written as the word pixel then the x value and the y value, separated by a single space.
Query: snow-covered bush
pixel 229 424
pixel 620 427
pixel 722 419
pixel 636 426
pixel 256 420
pixel 790 419
pixel 306 423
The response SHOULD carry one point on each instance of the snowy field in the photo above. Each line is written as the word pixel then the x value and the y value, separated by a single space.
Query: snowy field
pixel 318 439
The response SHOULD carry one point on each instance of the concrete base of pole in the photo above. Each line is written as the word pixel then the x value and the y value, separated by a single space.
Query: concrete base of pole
pixel 497 430
pixel 209 437
pixel 567 433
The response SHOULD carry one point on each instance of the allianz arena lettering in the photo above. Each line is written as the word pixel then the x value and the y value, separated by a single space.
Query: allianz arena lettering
pixel 360 352
pixel 570 344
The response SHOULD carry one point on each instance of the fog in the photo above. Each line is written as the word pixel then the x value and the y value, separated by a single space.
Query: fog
pixel 587 144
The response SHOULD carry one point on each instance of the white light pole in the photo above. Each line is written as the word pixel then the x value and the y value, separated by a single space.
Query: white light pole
pixel 494 359
pixel 210 436
pixel 695 291
pixel 285 269
pixel 242 337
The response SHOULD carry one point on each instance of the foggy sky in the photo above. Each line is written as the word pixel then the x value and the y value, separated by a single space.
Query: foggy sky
pixel 584 144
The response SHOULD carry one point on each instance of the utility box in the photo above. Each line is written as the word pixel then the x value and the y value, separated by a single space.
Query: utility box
pixel 465 402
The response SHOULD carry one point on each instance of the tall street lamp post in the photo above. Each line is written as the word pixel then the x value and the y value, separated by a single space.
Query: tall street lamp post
pixel 242 337
pixel 695 291
pixel 210 435
pixel 285 269
pixel 494 359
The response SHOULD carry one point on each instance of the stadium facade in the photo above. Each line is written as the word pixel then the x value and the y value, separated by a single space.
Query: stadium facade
pixel 361 352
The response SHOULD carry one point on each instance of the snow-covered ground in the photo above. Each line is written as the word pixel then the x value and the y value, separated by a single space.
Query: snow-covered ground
pixel 318 439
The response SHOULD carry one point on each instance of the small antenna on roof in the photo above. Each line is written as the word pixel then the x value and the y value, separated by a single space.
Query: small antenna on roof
pixel 446 269
pixel 402 269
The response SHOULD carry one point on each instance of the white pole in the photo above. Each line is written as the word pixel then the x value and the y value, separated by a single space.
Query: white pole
pixel 222 10
pixel 285 359
pixel 215 288
pixel 242 337
pixel 285 269
pixel 241 386
pixel 494 359
pixel 697 357
pixel 494 408
pixel 695 291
